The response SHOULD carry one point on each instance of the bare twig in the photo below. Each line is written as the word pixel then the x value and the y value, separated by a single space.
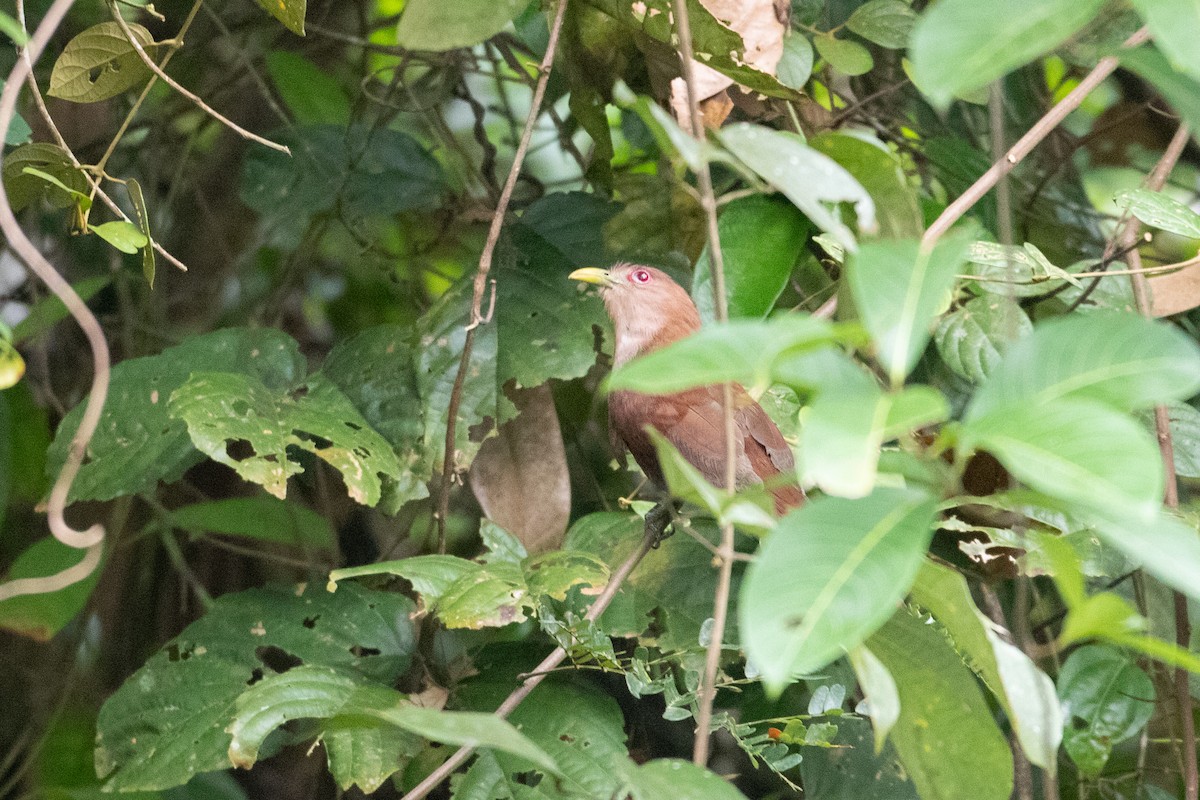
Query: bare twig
pixel 708 201
pixel 1024 146
pixel 1162 424
pixel 485 266
pixel 539 673
pixel 167 79
pixel 78 309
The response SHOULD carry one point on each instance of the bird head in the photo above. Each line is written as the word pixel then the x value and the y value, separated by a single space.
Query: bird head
pixel 647 308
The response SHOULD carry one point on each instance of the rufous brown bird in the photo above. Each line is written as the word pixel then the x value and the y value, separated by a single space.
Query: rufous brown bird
pixel 649 311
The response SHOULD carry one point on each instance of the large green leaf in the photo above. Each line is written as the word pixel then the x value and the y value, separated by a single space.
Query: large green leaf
pixel 959 46
pixel 841 437
pixel 1106 699
pixel 168 721
pixel 744 351
pixel 1174 24
pixel 23 188
pixel 946 736
pixel 677 779
pixel 263 518
pixel 807 177
pixel 313 95
pixel 828 577
pixel 100 63
pixel 761 239
pixel 221 408
pixel 446 24
pixel 1026 692
pixel 879 170
pixel 1078 451
pixel 138 443
pixel 361 749
pixel 1166 546
pixel 898 287
pixel 1119 359
pixel 887 23
pixel 1160 211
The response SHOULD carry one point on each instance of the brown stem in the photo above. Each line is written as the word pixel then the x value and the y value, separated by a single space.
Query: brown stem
pixel 1183 626
pixel 539 673
pixel 708 201
pixel 1024 146
pixel 485 266
pixel 93 536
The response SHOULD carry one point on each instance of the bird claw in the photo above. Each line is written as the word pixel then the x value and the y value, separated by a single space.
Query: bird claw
pixel 658 522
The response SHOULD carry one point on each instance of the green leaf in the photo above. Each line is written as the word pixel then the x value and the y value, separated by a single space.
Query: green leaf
pixel 1106 699
pixel 714 44
pixel 138 443
pixel 289 12
pixel 761 240
pixel 24 187
pixel 555 573
pixel 375 369
pixel 959 46
pixel 1026 693
pixel 887 23
pixel 847 57
pixel 840 441
pixel 1078 451
pixel 898 288
pixel 331 694
pixel 1160 211
pixel 881 173
pixel 430 575
pixel 263 518
pixel 13 29
pixel 1101 616
pixel 879 688
pixel 143 219
pixel 1172 23
pixel 945 722
pixel 168 721
pixel 828 577
pixel 972 339
pixel 1014 270
pixel 1166 546
pixel 677 779
pixel 122 235
pixel 743 351
pixel 79 198
pixel 100 63
pixel 1182 91
pixel 1119 359
pixel 807 177
pixel 796 64
pixel 446 25
pixel 312 95
pixel 220 408
pixel 42 615
pixel 854 771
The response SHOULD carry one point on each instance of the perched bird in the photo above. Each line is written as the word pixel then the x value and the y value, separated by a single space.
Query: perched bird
pixel 649 311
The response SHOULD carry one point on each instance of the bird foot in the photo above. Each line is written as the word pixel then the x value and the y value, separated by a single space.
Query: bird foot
pixel 658 522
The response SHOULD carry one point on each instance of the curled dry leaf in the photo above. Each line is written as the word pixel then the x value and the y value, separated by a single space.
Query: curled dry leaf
pixel 1175 292
pixel 520 475
pixel 762 25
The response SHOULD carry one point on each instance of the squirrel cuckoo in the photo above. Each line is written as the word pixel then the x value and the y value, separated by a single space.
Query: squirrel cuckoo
pixel 648 311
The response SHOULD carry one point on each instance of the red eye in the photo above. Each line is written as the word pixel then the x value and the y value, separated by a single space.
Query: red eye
pixel 640 276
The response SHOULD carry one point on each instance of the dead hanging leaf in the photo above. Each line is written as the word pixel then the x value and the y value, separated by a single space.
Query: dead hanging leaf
pixel 1176 292
pixel 762 25
pixel 520 476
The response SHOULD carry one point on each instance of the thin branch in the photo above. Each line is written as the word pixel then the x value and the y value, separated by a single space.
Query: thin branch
pixel 1162 425
pixel 652 535
pixel 24 248
pixel 485 266
pixel 167 79
pixel 1025 145
pixel 708 201
pixel 94 182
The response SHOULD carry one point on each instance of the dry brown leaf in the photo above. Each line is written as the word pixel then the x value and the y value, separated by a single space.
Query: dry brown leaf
pixel 520 475
pixel 1175 292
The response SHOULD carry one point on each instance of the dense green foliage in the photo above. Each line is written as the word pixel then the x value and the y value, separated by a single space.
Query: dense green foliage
pixel 985 593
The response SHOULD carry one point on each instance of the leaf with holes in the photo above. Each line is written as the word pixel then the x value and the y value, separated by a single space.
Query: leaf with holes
pixel 222 408
pixel 138 443
pixel 168 721
pixel 100 63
